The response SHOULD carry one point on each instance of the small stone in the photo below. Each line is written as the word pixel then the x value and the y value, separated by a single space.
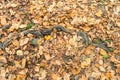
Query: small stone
pixel 102 68
pixel 100 62
pixel 19 52
pixel 3 59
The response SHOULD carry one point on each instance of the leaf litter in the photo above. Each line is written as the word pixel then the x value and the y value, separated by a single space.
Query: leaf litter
pixel 57 39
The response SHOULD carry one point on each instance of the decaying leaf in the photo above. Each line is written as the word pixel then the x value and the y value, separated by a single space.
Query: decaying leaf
pixel 59 39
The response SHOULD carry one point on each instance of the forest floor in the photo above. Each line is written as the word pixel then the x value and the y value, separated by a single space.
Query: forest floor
pixel 59 40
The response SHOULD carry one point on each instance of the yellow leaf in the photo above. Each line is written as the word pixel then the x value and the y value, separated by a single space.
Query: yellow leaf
pixel 47 37
pixel 103 52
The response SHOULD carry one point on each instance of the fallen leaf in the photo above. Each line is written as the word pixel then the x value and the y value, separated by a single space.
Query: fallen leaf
pixel 48 37
pixel 113 59
pixel 86 63
pixel 103 52
pixel 108 75
pixel 43 74
pixel 118 68
pixel 76 71
pixel 86 28
pixel 67 76
pixel 20 77
pixel 102 68
pixel 3 59
pixel 55 76
pixel 24 41
pixel 23 72
pixel 23 63
pixel 3 20
pixel 15 43
pixel 99 13
pixel 47 56
pixel 37 68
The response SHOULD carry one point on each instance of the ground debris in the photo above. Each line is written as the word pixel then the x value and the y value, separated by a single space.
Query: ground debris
pixel 59 39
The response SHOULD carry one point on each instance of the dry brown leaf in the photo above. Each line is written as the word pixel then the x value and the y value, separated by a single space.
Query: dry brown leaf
pixel 37 68
pixel 86 63
pixel 83 78
pixel 86 28
pixel 114 60
pixel 100 62
pixel 67 76
pixel 20 77
pixel 3 59
pixel 118 68
pixel 76 71
pixel 75 20
pixel 47 56
pixel 99 13
pixel 15 43
pixel 23 72
pixel 43 74
pixel 2 74
pixel 102 68
pixel 102 77
pixel 23 63
pixel 90 47
pixel 3 20
pixel 50 9
pixel 32 8
pixel 24 41
pixel 55 76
